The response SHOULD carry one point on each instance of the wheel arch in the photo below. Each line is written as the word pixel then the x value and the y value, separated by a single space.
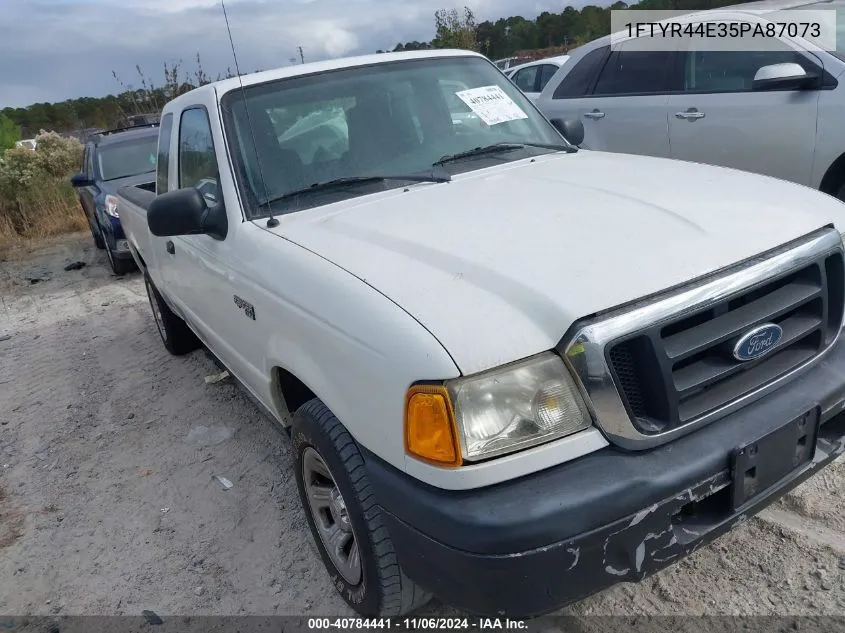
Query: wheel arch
pixel 136 255
pixel 834 177
pixel 289 392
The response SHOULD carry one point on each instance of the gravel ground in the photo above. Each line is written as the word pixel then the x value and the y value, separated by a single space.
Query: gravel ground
pixel 108 505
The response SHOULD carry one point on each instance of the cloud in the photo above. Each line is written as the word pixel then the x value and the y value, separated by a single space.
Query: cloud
pixel 51 50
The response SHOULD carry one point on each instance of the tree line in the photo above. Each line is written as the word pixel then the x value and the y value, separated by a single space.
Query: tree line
pixel 507 37
pixel 139 95
pixel 497 39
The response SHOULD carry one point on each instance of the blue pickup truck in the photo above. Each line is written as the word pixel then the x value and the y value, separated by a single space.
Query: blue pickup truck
pixel 113 159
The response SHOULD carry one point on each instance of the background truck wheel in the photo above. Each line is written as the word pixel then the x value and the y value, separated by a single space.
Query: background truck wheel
pixel 344 519
pixel 175 334
pixel 119 266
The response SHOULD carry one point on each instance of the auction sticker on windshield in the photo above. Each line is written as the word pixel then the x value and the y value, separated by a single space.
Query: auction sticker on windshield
pixel 491 104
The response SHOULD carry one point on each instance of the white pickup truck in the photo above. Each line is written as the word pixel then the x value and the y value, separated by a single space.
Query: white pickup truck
pixel 514 373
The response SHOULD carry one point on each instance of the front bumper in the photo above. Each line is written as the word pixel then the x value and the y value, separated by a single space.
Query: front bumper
pixel 121 249
pixel 116 239
pixel 529 546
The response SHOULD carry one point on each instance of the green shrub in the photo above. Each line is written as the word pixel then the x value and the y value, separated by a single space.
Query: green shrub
pixel 36 198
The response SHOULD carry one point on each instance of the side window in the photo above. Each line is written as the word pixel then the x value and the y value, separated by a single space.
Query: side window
pixel 734 71
pixel 165 132
pixel 635 72
pixel 197 161
pixel 84 164
pixel 578 80
pixel 525 78
pixel 547 71
pixel 89 163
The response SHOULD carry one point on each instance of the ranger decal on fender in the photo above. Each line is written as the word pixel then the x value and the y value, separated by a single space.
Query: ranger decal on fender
pixel 248 308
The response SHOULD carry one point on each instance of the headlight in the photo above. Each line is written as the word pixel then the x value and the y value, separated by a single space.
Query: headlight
pixel 500 411
pixel 111 206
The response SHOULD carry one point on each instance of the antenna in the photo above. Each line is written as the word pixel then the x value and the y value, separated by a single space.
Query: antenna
pixel 271 221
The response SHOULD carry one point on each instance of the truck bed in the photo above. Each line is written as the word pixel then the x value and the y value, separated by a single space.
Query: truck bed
pixel 132 204
pixel 140 195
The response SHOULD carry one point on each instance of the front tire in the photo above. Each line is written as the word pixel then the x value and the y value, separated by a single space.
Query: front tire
pixel 177 337
pixel 345 521
pixel 119 266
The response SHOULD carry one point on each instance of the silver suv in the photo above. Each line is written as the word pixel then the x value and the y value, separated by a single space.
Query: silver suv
pixel 777 112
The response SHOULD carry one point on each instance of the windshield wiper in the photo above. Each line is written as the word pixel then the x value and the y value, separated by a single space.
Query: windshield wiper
pixel 355 180
pixel 502 147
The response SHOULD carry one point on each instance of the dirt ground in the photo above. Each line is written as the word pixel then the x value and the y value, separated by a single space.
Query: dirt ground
pixel 108 505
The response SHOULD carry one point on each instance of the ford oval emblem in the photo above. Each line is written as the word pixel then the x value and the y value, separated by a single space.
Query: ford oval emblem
pixel 758 342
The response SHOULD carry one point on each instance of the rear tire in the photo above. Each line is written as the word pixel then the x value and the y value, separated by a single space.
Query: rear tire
pixel 335 492
pixel 841 193
pixel 177 337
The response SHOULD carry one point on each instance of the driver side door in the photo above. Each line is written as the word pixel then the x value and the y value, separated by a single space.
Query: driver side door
pixel 196 264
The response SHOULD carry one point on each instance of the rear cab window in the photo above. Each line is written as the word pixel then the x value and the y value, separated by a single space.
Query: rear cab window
pixel 165 133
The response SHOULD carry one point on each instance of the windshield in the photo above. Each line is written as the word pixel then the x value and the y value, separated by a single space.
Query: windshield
pixel 382 120
pixel 129 158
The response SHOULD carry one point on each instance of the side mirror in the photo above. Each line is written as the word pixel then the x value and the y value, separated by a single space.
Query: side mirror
pixel 572 130
pixel 787 76
pixel 185 212
pixel 81 180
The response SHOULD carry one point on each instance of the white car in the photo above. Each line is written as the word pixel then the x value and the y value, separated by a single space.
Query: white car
pixel 776 112
pixel 29 143
pixel 532 77
pixel 506 63
pixel 513 372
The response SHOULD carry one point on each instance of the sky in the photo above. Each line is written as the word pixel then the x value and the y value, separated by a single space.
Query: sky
pixel 52 50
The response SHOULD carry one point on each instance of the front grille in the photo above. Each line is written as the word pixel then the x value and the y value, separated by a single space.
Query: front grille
pixel 674 372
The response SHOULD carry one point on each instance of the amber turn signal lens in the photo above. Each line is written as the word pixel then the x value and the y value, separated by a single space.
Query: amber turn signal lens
pixel 430 427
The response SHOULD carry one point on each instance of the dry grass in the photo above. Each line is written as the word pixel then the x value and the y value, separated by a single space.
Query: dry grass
pixel 43 213
pixel 36 198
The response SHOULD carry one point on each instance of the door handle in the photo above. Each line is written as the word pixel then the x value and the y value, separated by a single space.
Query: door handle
pixel 691 114
pixel 595 114
pixel 170 248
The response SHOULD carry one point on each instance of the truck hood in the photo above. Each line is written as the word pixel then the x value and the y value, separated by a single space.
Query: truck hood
pixel 499 263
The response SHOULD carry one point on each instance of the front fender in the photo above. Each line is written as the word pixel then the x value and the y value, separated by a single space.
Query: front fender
pixel 110 227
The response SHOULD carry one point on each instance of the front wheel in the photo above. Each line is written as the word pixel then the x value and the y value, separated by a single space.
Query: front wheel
pixel 344 519
pixel 119 266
